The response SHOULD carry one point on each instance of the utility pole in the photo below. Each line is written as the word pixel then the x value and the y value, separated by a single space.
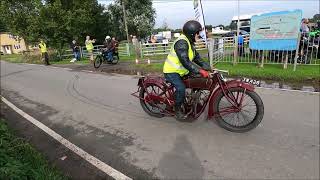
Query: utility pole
pixel 125 19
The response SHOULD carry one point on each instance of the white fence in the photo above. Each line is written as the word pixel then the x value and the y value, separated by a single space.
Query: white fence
pixel 224 49
pixel 152 49
pixel 308 52
pixel 123 50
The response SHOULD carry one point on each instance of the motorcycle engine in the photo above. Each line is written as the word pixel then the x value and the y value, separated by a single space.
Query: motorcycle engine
pixel 196 98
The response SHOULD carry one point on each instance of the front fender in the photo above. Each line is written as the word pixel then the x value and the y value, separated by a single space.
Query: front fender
pixel 238 83
pixel 229 84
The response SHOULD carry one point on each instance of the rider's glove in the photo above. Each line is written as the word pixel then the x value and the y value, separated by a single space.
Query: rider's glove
pixel 204 73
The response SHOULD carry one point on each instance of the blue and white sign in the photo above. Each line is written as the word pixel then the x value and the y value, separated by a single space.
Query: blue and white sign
pixel 275 31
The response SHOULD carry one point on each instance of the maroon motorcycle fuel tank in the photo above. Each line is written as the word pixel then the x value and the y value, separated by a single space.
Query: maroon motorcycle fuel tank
pixel 198 83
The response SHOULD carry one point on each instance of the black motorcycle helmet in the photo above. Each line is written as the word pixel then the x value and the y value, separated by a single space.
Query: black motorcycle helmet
pixel 191 28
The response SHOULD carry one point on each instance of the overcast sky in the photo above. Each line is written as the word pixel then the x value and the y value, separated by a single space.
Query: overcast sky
pixel 176 12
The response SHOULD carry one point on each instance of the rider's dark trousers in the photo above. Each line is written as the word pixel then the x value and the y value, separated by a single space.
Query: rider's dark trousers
pixel 108 55
pixel 176 80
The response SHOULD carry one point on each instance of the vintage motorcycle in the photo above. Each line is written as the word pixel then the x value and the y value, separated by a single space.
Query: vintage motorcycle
pixel 102 57
pixel 233 103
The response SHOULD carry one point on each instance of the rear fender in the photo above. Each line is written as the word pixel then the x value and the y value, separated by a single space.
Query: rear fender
pixel 229 84
pixel 157 80
pixel 145 81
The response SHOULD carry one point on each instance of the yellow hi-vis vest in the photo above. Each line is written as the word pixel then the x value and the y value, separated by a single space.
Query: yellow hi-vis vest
pixel 173 64
pixel 89 45
pixel 43 47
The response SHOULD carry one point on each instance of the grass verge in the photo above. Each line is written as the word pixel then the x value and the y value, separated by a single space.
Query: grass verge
pixel 19 160
pixel 13 58
pixel 18 58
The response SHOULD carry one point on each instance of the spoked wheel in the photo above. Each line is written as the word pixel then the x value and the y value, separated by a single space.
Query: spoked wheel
pixel 97 62
pixel 150 100
pixel 243 118
pixel 115 59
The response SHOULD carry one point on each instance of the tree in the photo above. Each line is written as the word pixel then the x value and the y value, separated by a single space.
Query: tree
pixel 116 27
pixel 22 18
pixel 221 25
pixel 209 27
pixel 55 26
pixel 233 25
pixel 140 17
pixel 165 25
pixel 77 19
pixel 177 31
pixel 3 26
pixel 56 21
pixel 315 18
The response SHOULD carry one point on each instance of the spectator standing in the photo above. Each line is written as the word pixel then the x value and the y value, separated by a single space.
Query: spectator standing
pixel 44 52
pixel 304 26
pixel 240 44
pixel 89 46
pixel 304 29
pixel 76 51
pixel 153 42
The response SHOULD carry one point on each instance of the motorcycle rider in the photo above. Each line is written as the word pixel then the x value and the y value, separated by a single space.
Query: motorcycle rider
pixel 182 60
pixel 108 46
pixel 115 46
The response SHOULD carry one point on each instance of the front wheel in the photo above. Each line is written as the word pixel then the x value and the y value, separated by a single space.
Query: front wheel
pixel 243 118
pixel 97 62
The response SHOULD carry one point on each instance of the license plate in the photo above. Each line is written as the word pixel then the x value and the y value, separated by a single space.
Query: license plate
pixel 251 81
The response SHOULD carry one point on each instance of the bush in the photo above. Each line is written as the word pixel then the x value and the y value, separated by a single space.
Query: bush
pixel 19 160
pixel 35 57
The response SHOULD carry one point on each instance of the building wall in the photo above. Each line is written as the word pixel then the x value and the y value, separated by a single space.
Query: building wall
pixel 16 44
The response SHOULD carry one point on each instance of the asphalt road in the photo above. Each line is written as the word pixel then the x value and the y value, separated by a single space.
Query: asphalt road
pixel 97 113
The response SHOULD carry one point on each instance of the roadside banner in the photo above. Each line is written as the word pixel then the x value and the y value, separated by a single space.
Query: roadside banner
pixel 275 31
pixel 197 6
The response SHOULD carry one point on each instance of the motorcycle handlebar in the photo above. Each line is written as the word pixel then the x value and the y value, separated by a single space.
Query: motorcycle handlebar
pixel 215 71
pixel 220 71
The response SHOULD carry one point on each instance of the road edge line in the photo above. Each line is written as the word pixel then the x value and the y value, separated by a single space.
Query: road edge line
pixel 86 156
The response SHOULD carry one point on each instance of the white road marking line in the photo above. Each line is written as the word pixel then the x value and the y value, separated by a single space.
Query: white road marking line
pixel 29 64
pixel 289 90
pixel 67 68
pixel 88 157
pixel 86 71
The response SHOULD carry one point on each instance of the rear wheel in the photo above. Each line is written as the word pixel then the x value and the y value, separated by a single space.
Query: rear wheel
pixel 115 59
pixel 149 102
pixel 97 62
pixel 242 119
